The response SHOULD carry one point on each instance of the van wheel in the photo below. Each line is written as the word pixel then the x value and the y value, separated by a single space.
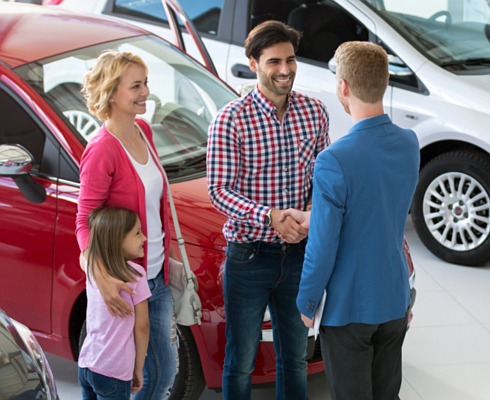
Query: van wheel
pixel 81 338
pixel 189 382
pixel 68 99
pixel 451 207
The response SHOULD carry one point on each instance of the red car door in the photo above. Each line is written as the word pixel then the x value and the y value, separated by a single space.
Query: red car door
pixel 26 228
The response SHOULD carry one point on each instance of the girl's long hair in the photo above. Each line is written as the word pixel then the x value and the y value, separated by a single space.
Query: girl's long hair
pixel 108 228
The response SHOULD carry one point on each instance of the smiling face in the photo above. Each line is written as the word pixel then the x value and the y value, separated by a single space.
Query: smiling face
pixel 276 70
pixel 131 93
pixel 133 242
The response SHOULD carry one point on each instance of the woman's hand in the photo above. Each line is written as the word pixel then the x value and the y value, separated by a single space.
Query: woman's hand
pixel 110 289
pixel 83 262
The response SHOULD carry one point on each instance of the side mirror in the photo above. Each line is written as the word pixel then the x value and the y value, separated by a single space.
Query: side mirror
pixel 16 163
pixel 332 65
pixel 397 67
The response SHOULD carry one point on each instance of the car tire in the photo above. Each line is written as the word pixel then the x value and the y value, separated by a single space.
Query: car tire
pixel 68 99
pixel 189 382
pixel 451 207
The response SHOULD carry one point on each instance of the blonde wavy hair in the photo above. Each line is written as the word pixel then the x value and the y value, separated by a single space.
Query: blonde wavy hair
pixel 364 66
pixel 102 80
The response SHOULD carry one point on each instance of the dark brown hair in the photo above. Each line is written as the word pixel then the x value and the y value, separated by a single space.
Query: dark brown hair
pixel 108 228
pixel 267 34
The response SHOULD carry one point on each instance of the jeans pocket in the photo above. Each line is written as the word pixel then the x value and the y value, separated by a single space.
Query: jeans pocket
pixel 104 385
pixel 240 253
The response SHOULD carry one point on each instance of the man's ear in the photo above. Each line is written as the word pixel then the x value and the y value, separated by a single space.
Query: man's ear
pixel 344 87
pixel 252 63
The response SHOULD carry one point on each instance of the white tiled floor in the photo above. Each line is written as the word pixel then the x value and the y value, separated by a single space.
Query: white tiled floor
pixel 446 351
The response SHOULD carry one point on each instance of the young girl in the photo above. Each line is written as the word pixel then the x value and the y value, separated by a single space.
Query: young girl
pixel 113 354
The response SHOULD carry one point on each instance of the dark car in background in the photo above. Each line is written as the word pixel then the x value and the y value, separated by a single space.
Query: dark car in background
pixel 24 369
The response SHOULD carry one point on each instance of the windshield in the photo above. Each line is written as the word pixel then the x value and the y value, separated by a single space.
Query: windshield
pixel 184 97
pixel 452 33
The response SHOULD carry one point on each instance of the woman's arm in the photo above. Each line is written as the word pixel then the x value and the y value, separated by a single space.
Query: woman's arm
pixel 96 174
pixel 141 337
pixel 110 289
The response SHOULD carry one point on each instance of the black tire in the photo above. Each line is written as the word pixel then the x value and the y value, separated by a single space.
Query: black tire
pixel 83 335
pixel 451 207
pixel 68 99
pixel 189 382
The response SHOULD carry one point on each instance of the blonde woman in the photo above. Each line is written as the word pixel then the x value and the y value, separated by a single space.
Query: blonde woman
pixel 118 169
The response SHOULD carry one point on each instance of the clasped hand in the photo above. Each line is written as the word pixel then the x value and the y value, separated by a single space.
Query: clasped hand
pixel 291 224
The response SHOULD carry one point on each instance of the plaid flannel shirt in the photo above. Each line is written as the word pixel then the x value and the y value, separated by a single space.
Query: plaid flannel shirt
pixel 256 162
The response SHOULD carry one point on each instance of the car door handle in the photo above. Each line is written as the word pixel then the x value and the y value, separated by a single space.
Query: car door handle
pixel 243 71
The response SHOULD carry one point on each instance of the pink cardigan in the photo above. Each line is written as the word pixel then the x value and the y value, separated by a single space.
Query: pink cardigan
pixel 107 176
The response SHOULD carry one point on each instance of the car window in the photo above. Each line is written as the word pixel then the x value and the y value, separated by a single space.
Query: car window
pixel 17 127
pixel 203 13
pixel 183 99
pixel 323 24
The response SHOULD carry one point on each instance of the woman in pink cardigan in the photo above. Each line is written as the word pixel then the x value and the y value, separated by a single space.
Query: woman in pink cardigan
pixel 118 169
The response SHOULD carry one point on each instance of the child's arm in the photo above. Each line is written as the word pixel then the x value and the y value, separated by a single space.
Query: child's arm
pixel 141 336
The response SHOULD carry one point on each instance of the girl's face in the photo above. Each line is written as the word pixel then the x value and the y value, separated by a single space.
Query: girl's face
pixel 131 93
pixel 133 242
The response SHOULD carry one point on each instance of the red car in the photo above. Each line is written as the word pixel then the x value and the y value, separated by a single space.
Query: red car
pixel 44 127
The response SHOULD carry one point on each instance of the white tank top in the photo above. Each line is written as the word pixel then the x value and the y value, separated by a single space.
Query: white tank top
pixel 152 179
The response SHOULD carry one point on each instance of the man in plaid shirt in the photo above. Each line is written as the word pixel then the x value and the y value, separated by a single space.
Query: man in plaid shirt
pixel 261 154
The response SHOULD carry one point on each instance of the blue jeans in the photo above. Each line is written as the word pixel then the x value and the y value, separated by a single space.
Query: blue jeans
pixel 258 275
pixel 161 359
pixel 100 387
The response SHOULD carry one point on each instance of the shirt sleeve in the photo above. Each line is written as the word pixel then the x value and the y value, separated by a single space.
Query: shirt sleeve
pixel 324 139
pixel 223 167
pixel 329 197
pixel 96 172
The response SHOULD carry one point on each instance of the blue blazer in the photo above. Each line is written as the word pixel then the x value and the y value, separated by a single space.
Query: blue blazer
pixel 362 189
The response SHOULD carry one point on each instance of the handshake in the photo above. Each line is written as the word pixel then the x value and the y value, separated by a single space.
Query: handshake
pixel 291 225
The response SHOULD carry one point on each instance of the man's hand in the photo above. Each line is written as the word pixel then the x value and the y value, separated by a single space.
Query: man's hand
pixel 307 321
pixel 288 229
pixel 301 217
pixel 109 288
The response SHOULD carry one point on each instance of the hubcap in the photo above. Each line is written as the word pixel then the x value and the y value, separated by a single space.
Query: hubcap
pixel 86 124
pixel 457 211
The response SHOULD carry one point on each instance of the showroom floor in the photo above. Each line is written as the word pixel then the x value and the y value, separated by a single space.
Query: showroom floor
pixel 447 349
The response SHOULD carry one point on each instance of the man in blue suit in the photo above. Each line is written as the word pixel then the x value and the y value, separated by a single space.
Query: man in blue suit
pixel 362 189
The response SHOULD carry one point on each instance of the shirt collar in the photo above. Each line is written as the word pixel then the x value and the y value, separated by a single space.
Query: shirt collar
pixel 266 105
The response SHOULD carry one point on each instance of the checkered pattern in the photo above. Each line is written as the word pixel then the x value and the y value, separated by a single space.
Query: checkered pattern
pixel 256 162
